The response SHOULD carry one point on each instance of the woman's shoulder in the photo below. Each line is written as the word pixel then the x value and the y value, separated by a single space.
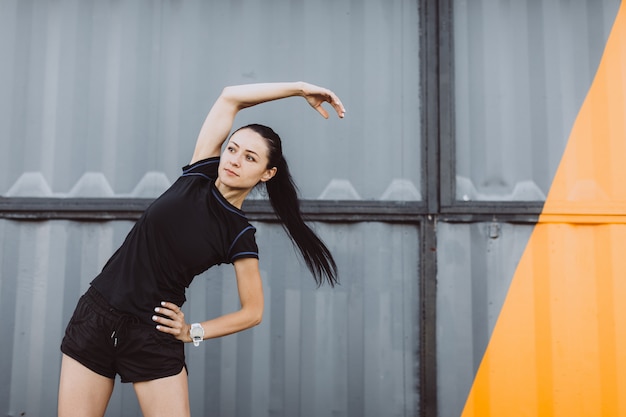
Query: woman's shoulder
pixel 205 168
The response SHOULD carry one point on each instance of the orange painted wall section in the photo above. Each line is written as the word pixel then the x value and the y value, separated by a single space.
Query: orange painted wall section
pixel 559 346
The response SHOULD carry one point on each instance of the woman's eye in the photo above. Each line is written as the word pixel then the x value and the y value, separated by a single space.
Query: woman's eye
pixel 249 158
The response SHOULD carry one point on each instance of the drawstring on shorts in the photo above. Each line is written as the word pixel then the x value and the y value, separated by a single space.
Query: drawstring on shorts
pixel 120 325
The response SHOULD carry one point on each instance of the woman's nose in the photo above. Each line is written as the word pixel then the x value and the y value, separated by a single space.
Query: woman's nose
pixel 235 160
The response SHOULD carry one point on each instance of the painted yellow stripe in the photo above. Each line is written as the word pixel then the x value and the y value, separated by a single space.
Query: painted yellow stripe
pixel 559 346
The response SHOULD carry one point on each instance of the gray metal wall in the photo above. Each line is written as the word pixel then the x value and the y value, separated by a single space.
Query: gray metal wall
pixel 105 99
pixel 521 72
pixel 113 93
pixel 318 352
pixel 476 263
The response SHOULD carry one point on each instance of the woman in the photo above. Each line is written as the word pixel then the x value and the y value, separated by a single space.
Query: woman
pixel 123 326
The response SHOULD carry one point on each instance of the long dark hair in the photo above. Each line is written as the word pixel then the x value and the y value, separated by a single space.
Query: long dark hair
pixel 283 195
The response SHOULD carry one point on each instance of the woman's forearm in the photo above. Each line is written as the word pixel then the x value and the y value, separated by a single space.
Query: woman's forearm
pixel 231 323
pixel 249 95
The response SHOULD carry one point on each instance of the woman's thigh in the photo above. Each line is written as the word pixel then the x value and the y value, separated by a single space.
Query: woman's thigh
pixel 82 392
pixel 164 396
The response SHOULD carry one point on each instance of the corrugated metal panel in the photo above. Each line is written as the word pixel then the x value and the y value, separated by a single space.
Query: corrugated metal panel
pixel 351 351
pixel 117 90
pixel 522 70
pixel 560 333
pixel 476 263
pixel 558 347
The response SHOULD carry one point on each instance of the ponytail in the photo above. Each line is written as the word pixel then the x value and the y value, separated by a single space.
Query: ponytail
pixel 283 196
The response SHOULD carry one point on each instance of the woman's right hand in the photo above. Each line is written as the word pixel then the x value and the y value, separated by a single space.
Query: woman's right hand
pixel 316 95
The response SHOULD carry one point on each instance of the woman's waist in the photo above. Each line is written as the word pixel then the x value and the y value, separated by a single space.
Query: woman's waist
pixel 135 308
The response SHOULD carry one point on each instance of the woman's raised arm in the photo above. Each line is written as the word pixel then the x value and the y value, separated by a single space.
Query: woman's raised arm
pixel 219 121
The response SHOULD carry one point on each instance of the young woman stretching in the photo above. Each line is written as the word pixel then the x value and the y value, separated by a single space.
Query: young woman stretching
pixel 129 322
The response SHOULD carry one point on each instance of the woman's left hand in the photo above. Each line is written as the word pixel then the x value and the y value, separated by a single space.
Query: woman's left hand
pixel 172 321
pixel 316 95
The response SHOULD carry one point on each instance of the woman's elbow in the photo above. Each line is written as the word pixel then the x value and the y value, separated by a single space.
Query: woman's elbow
pixel 234 96
pixel 227 92
pixel 256 318
pixel 231 95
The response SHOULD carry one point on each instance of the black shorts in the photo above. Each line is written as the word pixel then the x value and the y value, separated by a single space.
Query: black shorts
pixel 109 342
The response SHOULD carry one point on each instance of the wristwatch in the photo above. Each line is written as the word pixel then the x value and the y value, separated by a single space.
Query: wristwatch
pixel 197 333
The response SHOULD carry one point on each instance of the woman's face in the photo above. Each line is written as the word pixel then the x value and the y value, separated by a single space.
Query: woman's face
pixel 244 161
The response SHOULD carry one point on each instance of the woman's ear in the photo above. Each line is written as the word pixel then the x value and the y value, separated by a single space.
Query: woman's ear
pixel 269 174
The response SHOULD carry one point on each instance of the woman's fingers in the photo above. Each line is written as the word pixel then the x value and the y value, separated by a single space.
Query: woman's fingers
pixel 316 96
pixel 171 319
pixel 170 306
pixel 170 310
pixel 333 100
pixel 321 110
pixel 338 106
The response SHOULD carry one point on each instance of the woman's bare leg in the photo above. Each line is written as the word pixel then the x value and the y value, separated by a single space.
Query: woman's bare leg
pixel 164 396
pixel 82 392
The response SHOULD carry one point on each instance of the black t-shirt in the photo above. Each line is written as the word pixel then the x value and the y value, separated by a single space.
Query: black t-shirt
pixel 185 231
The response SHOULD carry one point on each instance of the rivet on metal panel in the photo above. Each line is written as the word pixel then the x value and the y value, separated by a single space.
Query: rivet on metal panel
pixel 494 230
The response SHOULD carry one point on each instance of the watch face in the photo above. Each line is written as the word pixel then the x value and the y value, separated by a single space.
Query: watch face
pixel 196 332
